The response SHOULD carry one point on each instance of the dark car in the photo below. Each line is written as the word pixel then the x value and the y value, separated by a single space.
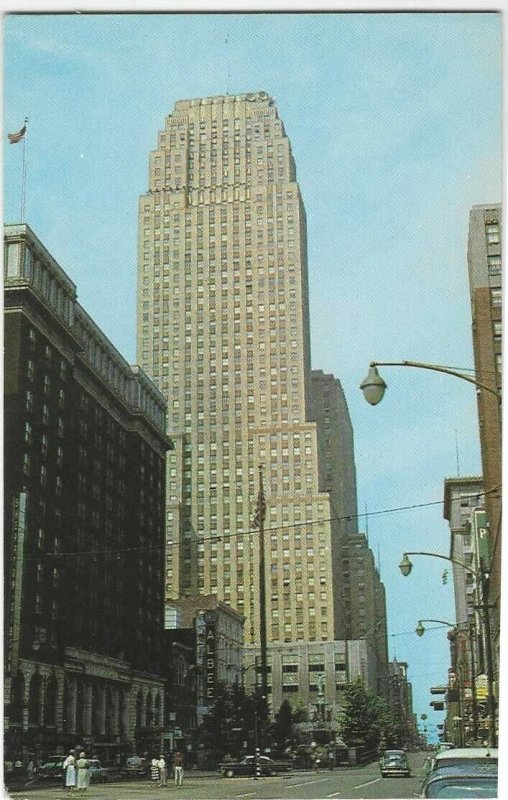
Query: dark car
pixel 98 773
pixel 135 766
pixel 394 762
pixel 247 766
pixel 460 785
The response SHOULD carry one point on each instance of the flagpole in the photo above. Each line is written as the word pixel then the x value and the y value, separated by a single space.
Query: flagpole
pixel 262 594
pixel 23 174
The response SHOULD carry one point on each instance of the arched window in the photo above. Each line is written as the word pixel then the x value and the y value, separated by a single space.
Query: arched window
pixel 110 712
pixel 34 699
pixel 139 709
pixel 50 701
pixel 67 706
pixel 149 709
pixel 17 698
pixel 157 711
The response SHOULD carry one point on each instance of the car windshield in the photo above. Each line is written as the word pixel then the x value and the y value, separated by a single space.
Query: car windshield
pixel 458 788
pixel 394 756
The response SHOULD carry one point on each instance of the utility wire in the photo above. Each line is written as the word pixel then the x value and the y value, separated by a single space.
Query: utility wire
pixel 219 537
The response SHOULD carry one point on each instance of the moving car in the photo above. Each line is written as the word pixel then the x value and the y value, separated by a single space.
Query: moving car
pixel 134 766
pixel 247 766
pixel 394 762
pixel 459 785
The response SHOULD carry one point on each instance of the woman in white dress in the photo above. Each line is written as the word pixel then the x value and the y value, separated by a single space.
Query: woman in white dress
pixel 70 771
pixel 82 772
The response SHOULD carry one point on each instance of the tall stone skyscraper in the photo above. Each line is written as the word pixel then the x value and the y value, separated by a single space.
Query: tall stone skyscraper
pixel 223 329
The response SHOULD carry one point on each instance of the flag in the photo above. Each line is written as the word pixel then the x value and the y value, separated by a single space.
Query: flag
pixel 14 138
pixel 260 513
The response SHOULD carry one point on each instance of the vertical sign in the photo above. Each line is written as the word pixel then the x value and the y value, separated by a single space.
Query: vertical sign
pixel 210 663
pixel 18 547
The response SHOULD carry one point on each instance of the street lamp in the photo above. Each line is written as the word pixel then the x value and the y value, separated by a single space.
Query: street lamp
pixel 481 577
pixel 373 386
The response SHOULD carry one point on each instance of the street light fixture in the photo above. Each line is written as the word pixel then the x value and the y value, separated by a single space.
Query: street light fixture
pixel 482 577
pixel 373 386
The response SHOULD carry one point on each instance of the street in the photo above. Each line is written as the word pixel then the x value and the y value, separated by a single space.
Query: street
pixel 347 784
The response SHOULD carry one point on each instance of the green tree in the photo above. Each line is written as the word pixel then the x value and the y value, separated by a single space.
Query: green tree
pixel 365 719
pixel 281 726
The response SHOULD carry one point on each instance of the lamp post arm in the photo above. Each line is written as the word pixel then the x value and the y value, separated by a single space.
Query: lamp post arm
pixel 440 622
pixel 445 558
pixel 437 368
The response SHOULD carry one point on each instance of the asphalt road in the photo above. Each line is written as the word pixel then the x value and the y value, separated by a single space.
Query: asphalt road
pixel 347 784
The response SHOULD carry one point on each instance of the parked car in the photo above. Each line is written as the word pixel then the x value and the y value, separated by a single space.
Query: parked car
pixel 134 766
pixel 52 767
pixel 98 773
pixel 394 762
pixel 459 785
pixel 470 759
pixel 247 766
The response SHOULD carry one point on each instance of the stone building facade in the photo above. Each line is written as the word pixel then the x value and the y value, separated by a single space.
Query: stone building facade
pixel 85 448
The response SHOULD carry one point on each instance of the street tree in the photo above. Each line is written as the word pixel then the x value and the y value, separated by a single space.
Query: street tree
pixel 365 720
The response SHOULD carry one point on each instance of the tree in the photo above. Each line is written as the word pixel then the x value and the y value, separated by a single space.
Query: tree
pixel 234 718
pixel 365 718
pixel 281 726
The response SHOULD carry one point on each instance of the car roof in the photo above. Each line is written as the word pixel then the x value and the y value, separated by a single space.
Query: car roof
pixel 466 753
pixel 399 752
pixel 462 776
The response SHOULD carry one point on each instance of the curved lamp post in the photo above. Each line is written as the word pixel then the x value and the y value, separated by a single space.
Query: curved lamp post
pixel 374 387
pixel 420 630
pixel 481 576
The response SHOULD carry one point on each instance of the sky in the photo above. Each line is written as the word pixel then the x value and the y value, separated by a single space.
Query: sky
pixel 395 125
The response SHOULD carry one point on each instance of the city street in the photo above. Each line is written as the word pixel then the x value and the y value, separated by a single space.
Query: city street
pixel 361 782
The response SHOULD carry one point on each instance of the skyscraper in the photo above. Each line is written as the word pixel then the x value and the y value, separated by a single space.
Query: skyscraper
pixel 223 329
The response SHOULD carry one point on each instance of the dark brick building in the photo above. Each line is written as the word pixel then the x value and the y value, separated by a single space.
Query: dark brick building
pixel 85 447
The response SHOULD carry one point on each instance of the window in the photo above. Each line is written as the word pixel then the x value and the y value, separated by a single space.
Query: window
pixel 492 233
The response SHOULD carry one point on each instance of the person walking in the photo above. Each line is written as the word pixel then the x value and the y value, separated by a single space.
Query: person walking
pixel 154 771
pixel 178 768
pixel 162 770
pixel 82 777
pixel 69 767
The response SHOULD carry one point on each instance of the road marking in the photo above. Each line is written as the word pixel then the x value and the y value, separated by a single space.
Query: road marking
pixel 307 783
pixel 334 794
pixel 366 784
pixel 249 794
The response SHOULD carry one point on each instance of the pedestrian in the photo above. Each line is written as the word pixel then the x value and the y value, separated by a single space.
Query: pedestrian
pixel 154 771
pixel 82 776
pixel 178 768
pixel 18 769
pixel 69 768
pixel 331 758
pixel 30 769
pixel 162 770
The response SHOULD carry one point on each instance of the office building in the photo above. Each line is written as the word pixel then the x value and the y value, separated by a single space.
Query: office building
pixel 313 673
pixel 85 447
pixel 485 284
pixel 223 329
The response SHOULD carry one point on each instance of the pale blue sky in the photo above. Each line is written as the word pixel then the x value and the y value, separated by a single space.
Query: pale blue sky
pixel 395 124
